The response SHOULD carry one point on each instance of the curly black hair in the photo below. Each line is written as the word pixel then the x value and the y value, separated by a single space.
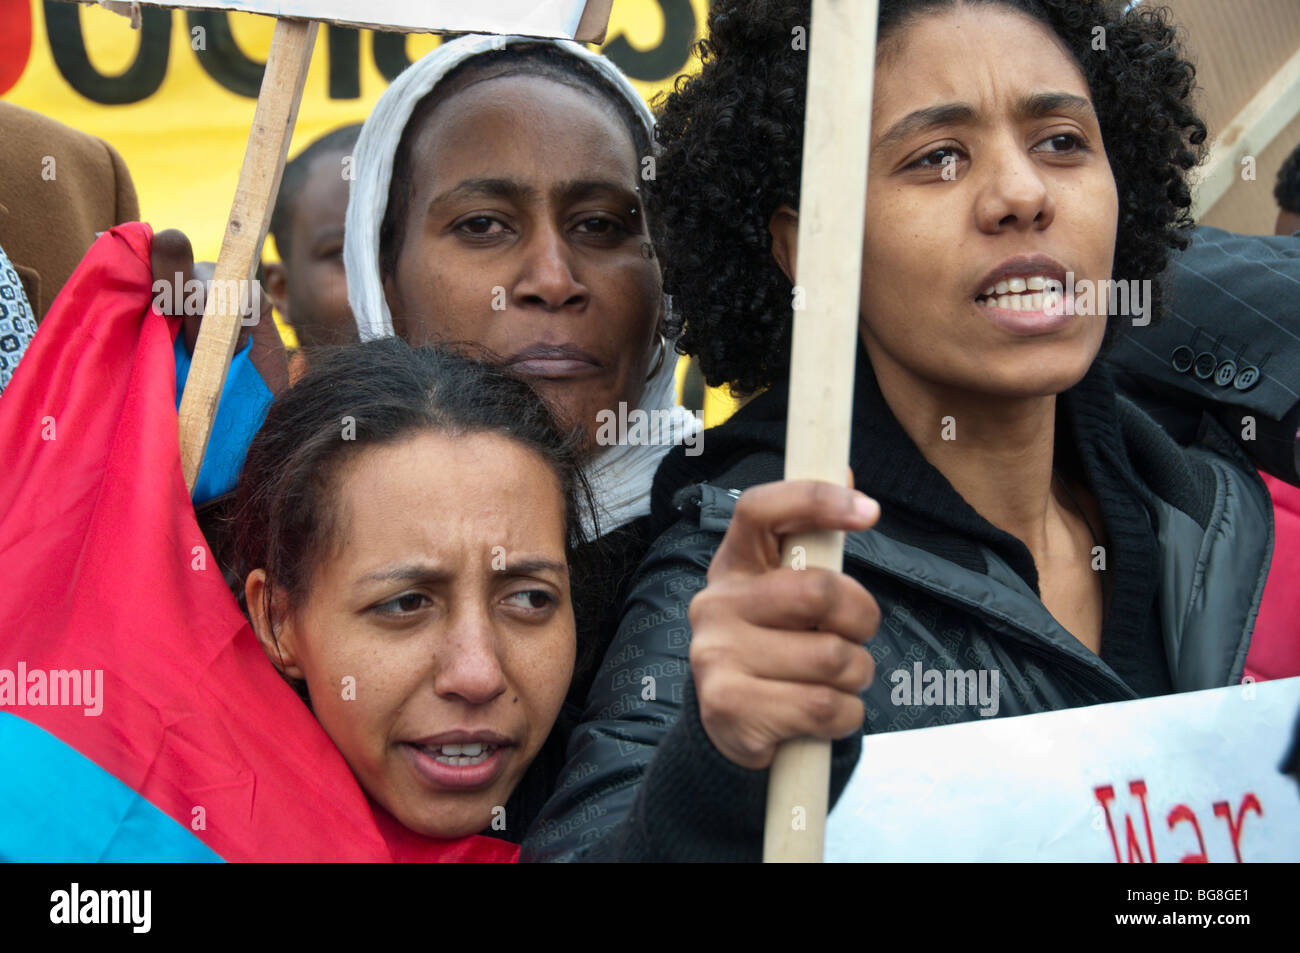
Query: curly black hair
pixel 732 144
pixel 1287 189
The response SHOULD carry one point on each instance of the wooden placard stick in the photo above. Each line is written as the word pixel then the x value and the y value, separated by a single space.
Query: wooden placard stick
pixel 832 203
pixel 241 247
pixel 1251 131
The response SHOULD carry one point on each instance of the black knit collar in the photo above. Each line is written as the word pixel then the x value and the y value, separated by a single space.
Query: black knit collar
pixel 919 505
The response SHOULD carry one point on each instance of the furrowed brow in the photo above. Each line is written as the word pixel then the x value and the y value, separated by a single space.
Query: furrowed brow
pixel 407 572
pixel 941 115
pixel 530 567
pixel 1041 105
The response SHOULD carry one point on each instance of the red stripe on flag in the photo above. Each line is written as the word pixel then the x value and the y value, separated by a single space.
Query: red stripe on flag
pixel 106 569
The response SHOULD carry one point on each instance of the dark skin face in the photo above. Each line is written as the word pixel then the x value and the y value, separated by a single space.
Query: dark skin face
pixel 1029 195
pixel 525 235
pixel 309 288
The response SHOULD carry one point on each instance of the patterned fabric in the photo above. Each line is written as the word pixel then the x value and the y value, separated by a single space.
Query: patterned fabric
pixel 17 323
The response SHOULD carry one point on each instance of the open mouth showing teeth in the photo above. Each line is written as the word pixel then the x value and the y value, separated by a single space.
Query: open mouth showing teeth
pixel 459 756
pixel 1020 294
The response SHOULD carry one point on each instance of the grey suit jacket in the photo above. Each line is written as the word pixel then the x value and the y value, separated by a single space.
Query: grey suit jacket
pixel 1228 345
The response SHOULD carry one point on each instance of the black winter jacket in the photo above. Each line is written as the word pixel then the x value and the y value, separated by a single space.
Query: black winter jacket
pixel 643 781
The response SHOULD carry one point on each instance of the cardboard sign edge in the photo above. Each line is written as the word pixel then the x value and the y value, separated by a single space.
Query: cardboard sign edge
pixel 592 26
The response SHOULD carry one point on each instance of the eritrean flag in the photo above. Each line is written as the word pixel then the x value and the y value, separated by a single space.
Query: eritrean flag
pixel 139 719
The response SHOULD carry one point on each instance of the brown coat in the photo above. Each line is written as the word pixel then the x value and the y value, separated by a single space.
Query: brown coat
pixel 58 188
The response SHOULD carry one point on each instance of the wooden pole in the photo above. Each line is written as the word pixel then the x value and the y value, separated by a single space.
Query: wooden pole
pixel 1251 131
pixel 250 215
pixel 832 204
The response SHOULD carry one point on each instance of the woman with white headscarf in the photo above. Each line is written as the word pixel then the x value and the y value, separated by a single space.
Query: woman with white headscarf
pixel 496 203
pixel 620 473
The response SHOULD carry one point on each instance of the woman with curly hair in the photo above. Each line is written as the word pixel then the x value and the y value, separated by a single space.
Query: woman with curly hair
pixel 1034 529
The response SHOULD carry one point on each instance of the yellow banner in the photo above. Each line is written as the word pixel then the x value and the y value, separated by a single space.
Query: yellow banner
pixel 176 97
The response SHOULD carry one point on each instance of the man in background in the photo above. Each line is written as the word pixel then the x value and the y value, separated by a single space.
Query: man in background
pixel 59 188
pixel 308 284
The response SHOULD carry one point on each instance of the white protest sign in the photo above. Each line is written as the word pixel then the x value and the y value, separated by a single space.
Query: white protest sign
pixel 552 18
pixel 1180 777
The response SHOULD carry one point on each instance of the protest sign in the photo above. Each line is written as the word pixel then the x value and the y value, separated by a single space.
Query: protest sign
pixel 1188 777
pixel 563 19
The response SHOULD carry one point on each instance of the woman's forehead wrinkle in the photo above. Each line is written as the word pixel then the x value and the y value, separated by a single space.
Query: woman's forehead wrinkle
pixel 1030 106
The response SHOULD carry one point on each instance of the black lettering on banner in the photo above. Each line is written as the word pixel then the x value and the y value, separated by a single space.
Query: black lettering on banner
pixel 390 53
pixel 140 80
pixel 223 60
pixel 668 58
pixel 344 62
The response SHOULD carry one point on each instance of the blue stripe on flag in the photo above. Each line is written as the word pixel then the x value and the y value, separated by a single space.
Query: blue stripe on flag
pixel 58 805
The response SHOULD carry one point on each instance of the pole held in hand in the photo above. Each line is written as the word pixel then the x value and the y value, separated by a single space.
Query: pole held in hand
pixel 832 205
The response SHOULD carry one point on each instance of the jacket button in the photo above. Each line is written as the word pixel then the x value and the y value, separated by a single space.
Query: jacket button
pixel 1247 378
pixel 1182 358
pixel 1205 364
pixel 1226 373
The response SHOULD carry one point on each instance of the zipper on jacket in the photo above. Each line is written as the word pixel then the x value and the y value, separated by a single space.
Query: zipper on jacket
pixel 1097 677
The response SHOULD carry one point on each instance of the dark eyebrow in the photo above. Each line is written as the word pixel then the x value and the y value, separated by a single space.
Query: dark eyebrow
pixel 407 572
pixel 579 189
pixel 1045 104
pixel 529 567
pixel 486 188
pixel 923 119
pixel 422 572
pixel 1035 106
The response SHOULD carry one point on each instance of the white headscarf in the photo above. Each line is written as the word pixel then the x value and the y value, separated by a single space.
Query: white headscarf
pixel 620 475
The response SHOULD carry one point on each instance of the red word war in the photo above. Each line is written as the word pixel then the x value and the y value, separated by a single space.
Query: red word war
pixel 1179 821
